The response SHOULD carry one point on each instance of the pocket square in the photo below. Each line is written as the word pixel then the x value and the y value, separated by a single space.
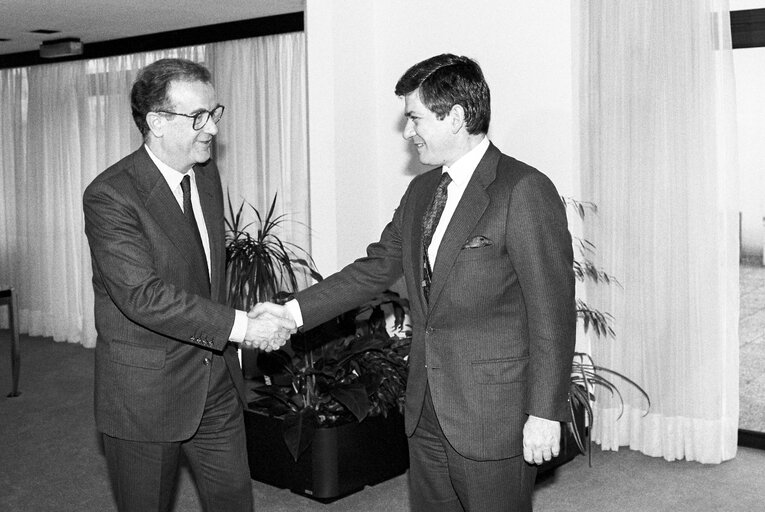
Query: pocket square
pixel 477 242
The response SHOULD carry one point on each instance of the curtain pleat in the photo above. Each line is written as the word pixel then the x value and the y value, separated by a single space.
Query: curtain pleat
pixel 264 151
pixel 658 158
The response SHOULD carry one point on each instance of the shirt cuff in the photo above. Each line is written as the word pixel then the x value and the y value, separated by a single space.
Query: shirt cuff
pixel 239 329
pixel 294 309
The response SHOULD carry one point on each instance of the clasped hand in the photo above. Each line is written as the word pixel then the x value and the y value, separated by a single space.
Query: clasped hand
pixel 269 326
pixel 541 440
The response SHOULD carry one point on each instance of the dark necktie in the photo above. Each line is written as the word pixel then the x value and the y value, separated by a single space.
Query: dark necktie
pixel 188 212
pixel 429 224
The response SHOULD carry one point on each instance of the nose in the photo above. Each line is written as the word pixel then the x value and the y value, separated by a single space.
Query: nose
pixel 210 127
pixel 408 130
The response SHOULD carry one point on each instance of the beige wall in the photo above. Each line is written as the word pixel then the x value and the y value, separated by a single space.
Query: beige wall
pixel 357 50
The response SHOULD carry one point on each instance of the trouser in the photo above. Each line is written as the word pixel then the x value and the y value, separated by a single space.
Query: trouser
pixel 442 480
pixel 144 474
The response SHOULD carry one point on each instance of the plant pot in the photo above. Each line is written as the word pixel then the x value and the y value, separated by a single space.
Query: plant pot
pixel 340 461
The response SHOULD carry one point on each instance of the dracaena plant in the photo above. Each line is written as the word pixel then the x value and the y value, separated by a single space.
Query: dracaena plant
pixel 342 371
pixel 259 264
pixel 586 376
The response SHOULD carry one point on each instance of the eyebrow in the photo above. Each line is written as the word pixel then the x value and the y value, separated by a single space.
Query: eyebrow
pixel 200 110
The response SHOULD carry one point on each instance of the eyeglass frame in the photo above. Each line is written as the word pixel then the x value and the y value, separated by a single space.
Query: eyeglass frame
pixel 196 116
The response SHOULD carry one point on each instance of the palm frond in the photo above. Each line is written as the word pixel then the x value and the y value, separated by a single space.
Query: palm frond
pixel 260 266
pixel 579 207
pixel 594 319
pixel 583 245
pixel 585 269
pixel 586 377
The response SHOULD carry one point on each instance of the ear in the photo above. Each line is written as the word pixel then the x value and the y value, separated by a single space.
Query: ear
pixel 457 115
pixel 156 123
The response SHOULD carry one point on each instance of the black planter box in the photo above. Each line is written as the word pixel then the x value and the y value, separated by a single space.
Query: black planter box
pixel 340 461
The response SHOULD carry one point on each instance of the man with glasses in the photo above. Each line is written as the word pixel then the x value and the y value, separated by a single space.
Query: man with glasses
pixel 167 376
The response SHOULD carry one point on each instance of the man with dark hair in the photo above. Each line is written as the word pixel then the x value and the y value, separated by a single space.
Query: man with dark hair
pixel 483 245
pixel 167 377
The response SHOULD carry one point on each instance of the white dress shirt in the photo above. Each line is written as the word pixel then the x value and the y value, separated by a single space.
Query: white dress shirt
pixel 460 173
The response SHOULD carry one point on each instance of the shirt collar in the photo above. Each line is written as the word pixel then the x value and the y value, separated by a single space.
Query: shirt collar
pixel 463 168
pixel 172 177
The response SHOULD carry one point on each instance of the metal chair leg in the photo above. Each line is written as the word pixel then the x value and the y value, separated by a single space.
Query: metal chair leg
pixel 7 297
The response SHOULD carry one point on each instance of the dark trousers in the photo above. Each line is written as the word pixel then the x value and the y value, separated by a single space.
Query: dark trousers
pixel 144 474
pixel 442 480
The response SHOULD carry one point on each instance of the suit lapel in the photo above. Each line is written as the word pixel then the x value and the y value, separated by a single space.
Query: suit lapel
pixel 469 211
pixel 163 207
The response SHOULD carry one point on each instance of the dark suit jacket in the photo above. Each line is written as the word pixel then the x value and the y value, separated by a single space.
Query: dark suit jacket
pixel 156 320
pixel 496 340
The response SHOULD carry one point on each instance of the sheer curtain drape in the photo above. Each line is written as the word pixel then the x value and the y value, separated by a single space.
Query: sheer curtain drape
pixel 658 159
pixel 262 150
pixel 65 123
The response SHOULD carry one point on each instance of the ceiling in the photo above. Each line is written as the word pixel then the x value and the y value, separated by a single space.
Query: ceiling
pixel 102 20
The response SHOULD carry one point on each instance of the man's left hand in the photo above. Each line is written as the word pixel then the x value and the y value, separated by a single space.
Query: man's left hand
pixel 541 440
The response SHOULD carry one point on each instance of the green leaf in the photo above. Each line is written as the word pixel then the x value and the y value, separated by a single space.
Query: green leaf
pixel 260 266
pixel 354 397
pixel 298 430
pixel 594 319
pixel 579 207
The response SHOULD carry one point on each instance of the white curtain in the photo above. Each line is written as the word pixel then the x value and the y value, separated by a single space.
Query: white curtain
pixel 65 123
pixel 658 159
pixel 262 150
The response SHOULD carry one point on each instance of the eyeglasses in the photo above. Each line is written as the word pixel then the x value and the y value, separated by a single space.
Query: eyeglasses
pixel 201 118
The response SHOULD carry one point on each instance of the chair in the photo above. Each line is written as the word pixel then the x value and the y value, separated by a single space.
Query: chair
pixel 7 297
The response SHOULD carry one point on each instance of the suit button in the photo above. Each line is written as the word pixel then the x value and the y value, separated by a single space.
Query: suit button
pixel 206 361
pixel 429 330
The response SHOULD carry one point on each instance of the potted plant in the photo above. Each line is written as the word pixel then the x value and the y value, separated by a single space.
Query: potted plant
pixel 586 376
pixel 260 265
pixel 327 420
pixel 326 415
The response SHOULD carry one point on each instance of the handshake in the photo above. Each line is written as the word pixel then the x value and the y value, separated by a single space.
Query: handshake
pixel 269 326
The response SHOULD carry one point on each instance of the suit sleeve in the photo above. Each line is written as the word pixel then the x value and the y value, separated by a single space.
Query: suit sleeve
pixel 361 280
pixel 541 253
pixel 125 267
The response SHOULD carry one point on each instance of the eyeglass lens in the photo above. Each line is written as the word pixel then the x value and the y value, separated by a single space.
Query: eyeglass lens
pixel 201 119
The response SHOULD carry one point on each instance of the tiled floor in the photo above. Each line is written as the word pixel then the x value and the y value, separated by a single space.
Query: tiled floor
pixel 752 348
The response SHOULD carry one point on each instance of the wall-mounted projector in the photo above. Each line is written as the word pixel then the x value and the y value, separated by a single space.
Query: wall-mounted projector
pixel 61 48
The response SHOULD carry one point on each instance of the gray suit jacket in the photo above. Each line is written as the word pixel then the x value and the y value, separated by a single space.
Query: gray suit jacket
pixel 496 340
pixel 157 322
